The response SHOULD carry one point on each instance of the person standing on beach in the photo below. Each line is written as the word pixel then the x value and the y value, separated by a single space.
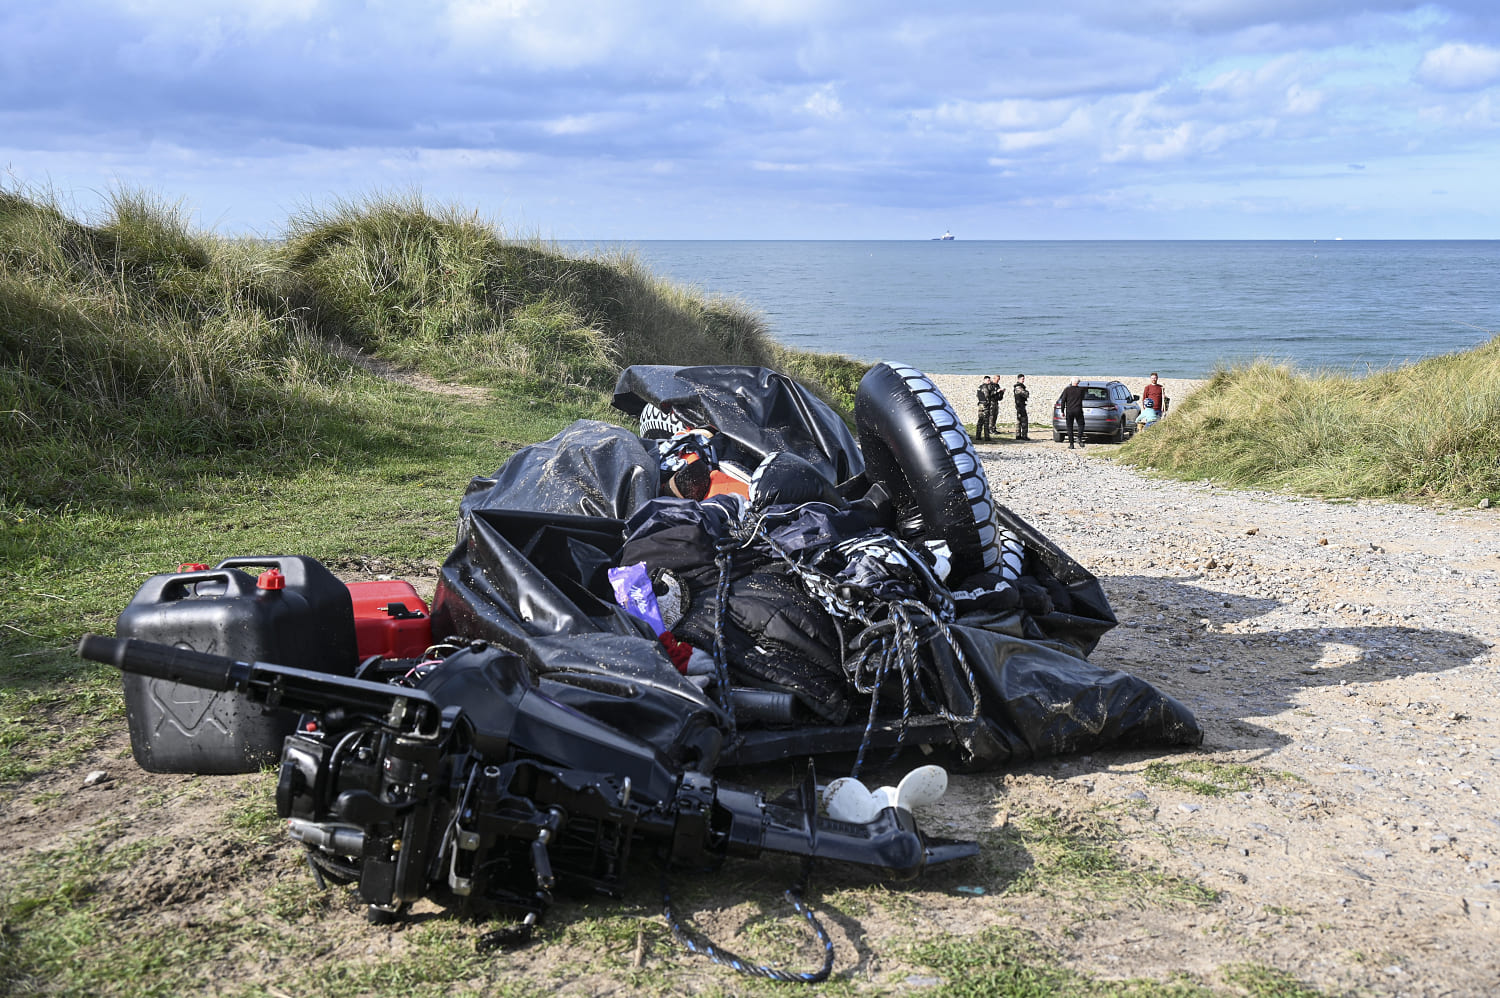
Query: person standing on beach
pixel 1071 401
pixel 1157 394
pixel 997 394
pixel 1019 393
pixel 985 397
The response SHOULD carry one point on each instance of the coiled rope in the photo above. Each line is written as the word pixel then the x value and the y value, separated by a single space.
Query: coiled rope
pixel 897 647
pixel 723 957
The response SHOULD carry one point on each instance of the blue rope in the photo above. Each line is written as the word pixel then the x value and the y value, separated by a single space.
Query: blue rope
pixel 725 958
pixel 874 691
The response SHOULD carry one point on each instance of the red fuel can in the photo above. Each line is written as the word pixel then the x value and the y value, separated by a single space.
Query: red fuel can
pixel 390 619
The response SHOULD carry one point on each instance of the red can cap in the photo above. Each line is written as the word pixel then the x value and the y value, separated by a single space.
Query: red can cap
pixel 271 579
pixel 192 566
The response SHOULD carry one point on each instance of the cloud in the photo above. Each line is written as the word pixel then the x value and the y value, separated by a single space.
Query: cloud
pixel 1004 115
pixel 460 159
pixel 1077 127
pixel 1300 100
pixel 540 34
pixel 889 109
pixel 261 15
pixel 824 103
pixel 1154 145
pixel 583 124
pixel 1458 66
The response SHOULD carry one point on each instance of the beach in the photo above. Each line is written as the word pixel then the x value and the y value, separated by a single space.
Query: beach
pixel 1341 658
pixel 959 390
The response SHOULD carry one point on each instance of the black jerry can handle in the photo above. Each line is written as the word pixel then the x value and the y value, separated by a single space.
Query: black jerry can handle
pixel 174 586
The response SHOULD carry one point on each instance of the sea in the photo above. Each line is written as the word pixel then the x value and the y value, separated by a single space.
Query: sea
pixel 1128 307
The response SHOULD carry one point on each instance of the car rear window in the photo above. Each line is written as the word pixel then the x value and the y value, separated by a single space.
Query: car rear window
pixel 1095 393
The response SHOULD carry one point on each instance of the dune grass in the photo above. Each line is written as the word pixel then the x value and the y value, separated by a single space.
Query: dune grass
pixel 134 349
pixel 1426 432
pixel 136 353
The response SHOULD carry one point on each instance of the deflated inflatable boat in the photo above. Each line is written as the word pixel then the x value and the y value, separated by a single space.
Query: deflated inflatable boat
pixel 817 593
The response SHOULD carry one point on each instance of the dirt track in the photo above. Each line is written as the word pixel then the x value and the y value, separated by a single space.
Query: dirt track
pixel 1346 652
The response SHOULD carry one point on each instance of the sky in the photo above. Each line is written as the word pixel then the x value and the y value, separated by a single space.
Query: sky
pixel 625 120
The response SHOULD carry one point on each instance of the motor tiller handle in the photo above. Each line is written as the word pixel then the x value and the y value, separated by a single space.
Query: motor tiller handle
pixel 277 686
pixel 159 661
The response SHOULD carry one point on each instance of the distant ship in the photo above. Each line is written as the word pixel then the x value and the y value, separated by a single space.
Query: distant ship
pixel 946 237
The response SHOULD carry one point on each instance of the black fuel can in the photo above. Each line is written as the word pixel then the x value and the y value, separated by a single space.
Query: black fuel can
pixel 294 613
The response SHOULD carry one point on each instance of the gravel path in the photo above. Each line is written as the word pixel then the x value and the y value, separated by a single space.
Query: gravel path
pixel 1346 651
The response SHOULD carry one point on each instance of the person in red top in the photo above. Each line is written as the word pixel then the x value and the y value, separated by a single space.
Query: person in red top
pixel 1156 394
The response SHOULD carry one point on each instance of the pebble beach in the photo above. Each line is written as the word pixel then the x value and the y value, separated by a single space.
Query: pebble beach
pixel 959 390
pixel 1341 657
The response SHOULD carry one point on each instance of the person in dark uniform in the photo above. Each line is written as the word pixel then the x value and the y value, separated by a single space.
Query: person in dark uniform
pixel 997 394
pixel 986 401
pixel 1019 393
pixel 1071 401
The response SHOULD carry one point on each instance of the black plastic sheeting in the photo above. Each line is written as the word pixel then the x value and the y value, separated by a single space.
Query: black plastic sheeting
pixel 760 411
pixel 536 539
pixel 531 582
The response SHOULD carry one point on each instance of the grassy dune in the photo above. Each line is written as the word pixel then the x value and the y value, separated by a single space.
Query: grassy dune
pixel 136 353
pixel 1427 432
pixel 169 396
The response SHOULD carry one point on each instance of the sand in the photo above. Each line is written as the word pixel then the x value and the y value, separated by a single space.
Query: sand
pixel 959 389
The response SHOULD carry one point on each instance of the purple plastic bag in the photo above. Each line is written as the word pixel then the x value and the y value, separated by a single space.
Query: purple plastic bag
pixel 633 591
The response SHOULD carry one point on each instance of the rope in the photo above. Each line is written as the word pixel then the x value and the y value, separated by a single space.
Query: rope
pixel 723 957
pixel 898 651
pixel 864 742
pixel 725 560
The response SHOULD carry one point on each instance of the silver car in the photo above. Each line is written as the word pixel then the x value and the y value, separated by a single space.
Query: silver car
pixel 1109 411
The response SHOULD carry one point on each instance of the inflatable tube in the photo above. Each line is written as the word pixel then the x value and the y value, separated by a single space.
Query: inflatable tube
pixel 659 424
pixel 917 448
pixel 783 478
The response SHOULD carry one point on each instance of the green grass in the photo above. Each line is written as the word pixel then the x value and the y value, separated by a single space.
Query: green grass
pixel 71 570
pixel 1201 776
pixel 1208 778
pixel 1424 432
pixel 138 356
pixel 1009 963
pixel 1259 981
pixel 1002 962
pixel 1078 856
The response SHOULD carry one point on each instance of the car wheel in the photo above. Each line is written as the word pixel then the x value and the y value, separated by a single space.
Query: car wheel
pixel 1118 437
pixel 1056 437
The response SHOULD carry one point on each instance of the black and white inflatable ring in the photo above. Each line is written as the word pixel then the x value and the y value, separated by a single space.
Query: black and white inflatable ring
pixel 658 423
pixel 915 445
